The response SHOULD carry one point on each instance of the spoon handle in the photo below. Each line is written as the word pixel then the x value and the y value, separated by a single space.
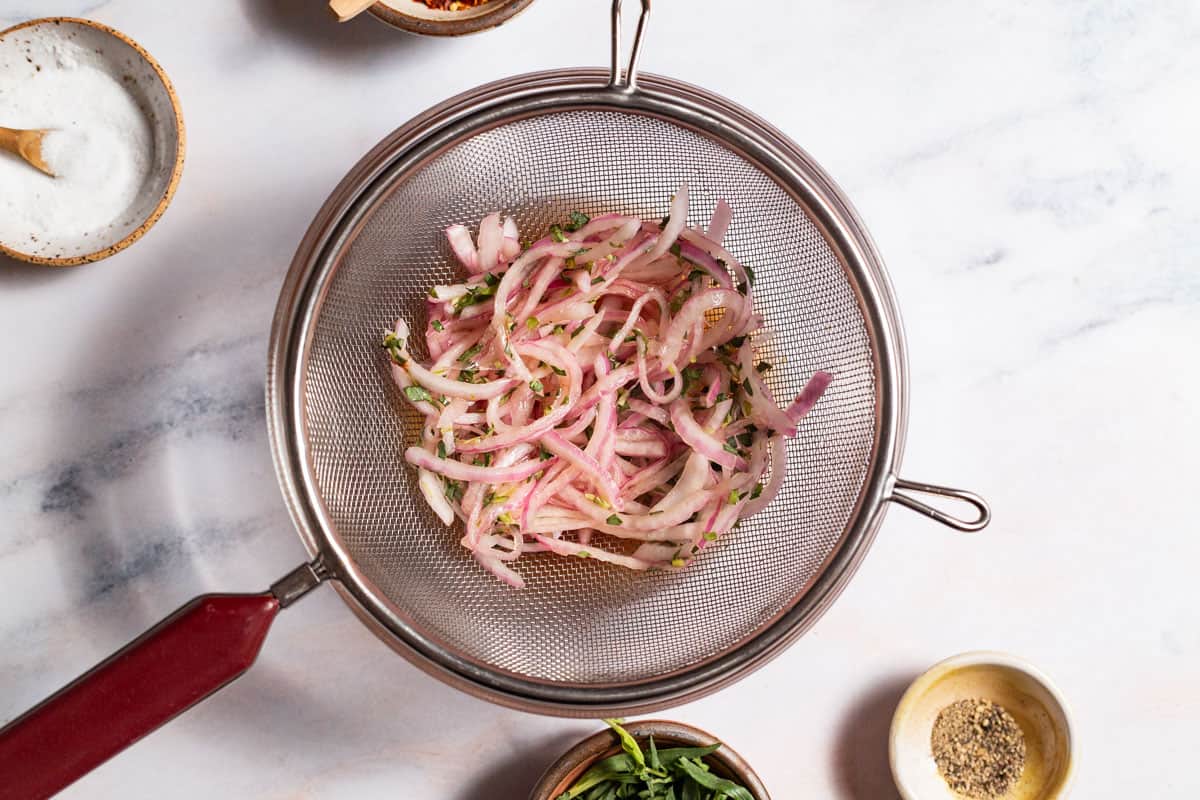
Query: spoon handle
pixel 348 9
pixel 27 145
pixel 10 141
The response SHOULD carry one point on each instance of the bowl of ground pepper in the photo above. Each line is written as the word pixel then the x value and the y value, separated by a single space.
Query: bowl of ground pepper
pixel 982 726
pixel 446 17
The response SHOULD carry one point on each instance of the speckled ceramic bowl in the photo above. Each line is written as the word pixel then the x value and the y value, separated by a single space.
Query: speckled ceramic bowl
pixel 576 761
pixel 23 48
pixel 416 17
pixel 1032 699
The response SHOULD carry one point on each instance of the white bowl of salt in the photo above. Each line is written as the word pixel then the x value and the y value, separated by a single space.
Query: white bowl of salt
pixel 116 142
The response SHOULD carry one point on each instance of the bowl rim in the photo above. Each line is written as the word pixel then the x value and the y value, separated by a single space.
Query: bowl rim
pixel 602 744
pixel 489 18
pixel 980 658
pixel 176 170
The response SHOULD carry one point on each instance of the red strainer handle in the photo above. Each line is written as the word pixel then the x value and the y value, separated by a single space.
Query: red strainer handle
pixel 171 667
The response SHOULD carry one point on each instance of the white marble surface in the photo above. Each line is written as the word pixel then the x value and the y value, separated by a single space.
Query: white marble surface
pixel 1030 173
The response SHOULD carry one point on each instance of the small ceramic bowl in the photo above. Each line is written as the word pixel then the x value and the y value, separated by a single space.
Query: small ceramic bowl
pixel 1034 702
pixel 24 50
pixel 416 17
pixel 576 761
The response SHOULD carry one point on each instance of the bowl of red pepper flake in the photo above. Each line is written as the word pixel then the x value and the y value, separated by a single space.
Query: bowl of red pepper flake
pixel 446 17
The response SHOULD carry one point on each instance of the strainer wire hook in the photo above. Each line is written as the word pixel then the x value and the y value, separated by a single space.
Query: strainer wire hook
pixel 615 81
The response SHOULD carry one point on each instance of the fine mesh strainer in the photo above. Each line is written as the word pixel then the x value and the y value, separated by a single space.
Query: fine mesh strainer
pixel 583 638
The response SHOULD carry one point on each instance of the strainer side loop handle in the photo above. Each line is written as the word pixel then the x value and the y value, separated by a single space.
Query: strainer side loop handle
pixel 615 81
pixel 981 520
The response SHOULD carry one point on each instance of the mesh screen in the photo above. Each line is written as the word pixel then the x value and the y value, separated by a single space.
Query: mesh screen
pixel 579 621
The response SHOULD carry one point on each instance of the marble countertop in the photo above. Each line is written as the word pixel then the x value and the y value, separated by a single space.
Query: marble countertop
pixel 1029 172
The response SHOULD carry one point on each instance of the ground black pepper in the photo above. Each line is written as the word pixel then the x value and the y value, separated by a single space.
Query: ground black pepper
pixel 979 748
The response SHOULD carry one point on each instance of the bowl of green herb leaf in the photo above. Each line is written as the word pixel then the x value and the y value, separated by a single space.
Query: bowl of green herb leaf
pixel 652 758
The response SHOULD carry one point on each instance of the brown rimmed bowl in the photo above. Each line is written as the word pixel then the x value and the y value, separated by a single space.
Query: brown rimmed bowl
pixel 415 17
pixel 576 761
pixel 21 50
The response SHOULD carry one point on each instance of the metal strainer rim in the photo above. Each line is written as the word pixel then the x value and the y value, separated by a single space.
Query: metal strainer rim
pixel 494 104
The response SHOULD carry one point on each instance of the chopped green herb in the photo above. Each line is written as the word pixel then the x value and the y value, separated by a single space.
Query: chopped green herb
pixel 437 325
pixel 676 250
pixel 470 353
pixel 536 386
pixel 532 323
pixel 556 233
pixel 583 554
pixel 747 387
pixel 678 563
pixel 475 294
pixel 506 518
pixel 600 501
pixel 756 491
pixel 417 393
pixel 394 345
pixel 433 292
pixel 734 497
pixel 731 446
pixel 557 371
pixel 454 490
pixel 491 280
pixel 577 221
pixel 441 449
pixel 613 520
pixel 749 273
pixel 697 273
pixel 597 280
pixel 710 536
pixel 559 329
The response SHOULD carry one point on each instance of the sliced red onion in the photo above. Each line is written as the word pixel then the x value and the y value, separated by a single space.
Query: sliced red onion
pixel 510 248
pixel 588 467
pixel 675 225
pixel 491 237
pixel 457 470
pixel 809 396
pixel 540 377
pixel 722 216
pixel 464 249
pixel 701 440
pixel 565 548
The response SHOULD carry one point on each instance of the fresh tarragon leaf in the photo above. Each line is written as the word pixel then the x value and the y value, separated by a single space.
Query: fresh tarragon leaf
pixel 723 787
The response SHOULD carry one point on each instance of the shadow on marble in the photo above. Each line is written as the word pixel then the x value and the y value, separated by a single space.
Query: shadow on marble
pixel 123 533
pixel 19 275
pixel 311 24
pixel 861 748
pixel 516 776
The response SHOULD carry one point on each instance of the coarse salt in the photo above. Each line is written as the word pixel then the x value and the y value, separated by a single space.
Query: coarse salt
pixel 101 149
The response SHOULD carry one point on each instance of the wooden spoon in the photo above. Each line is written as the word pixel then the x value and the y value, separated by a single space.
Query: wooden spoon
pixel 27 145
pixel 348 9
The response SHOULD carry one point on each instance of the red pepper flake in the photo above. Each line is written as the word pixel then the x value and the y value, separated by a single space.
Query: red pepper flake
pixel 453 5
